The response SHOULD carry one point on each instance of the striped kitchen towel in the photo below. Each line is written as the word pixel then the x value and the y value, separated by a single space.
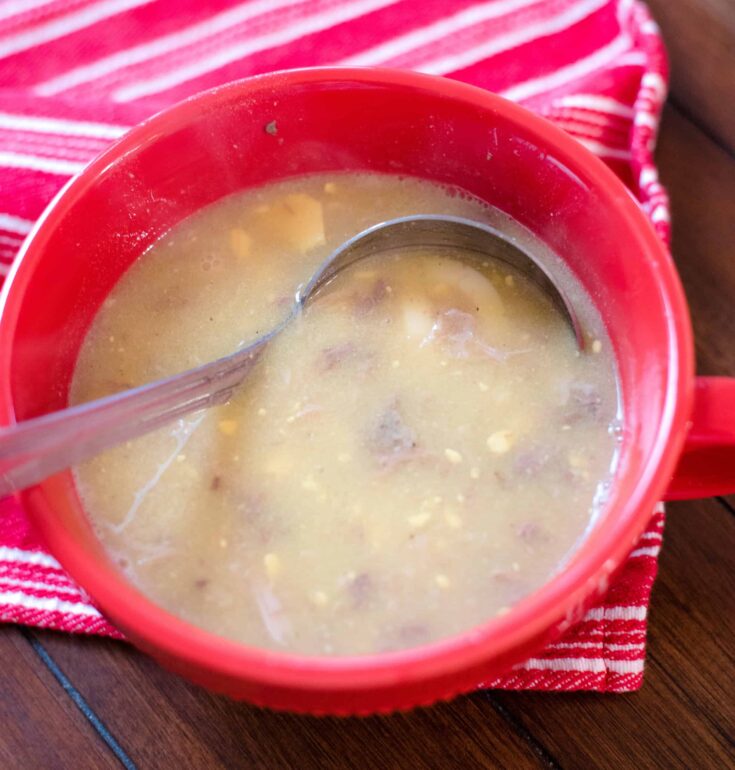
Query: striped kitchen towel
pixel 74 74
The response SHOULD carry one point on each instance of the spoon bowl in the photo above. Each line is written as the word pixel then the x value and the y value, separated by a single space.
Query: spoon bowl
pixel 475 240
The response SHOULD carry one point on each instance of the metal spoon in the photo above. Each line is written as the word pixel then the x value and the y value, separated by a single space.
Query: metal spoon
pixel 32 450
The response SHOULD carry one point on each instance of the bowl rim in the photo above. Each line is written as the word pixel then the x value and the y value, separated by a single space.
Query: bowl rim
pixel 561 598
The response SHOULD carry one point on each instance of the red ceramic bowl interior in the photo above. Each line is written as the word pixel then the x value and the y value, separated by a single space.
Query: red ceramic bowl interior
pixel 216 144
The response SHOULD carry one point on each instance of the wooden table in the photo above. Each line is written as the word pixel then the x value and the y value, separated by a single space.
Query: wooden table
pixel 94 703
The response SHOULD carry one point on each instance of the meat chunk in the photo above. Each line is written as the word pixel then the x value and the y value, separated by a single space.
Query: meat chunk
pixel 584 402
pixel 529 531
pixel 334 355
pixel 361 590
pixel 457 332
pixel 365 302
pixel 361 361
pixel 531 461
pixel 532 534
pixel 390 439
pixel 412 634
pixel 407 635
pixel 255 522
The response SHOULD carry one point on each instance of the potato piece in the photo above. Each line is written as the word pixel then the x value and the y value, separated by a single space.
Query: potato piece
pixel 478 291
pixel 298 219
pixel 500 442
pixel 272 564
pixel 417 320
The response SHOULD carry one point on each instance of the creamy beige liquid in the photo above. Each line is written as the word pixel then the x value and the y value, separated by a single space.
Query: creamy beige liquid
pixel 418 451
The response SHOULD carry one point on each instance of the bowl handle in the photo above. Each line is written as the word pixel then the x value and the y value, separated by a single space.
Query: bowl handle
pixel 707 464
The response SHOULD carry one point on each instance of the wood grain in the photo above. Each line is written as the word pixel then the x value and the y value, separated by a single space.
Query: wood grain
pixel 683 717
pixel 160 715
pixel 38 726
pixel 700 37
pixel 700 177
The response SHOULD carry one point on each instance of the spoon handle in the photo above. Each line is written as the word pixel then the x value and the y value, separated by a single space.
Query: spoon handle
pixel 32 450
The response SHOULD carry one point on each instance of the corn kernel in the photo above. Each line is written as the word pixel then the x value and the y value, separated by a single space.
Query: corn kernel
pixel 500 442
pixel 453 456
pixel 272 564
pixel 227 427
pixel 442 581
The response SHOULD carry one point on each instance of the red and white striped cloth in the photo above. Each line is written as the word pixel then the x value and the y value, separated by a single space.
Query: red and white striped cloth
pixel 74 74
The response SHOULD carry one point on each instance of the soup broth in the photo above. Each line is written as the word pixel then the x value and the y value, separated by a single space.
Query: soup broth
pixel 423 446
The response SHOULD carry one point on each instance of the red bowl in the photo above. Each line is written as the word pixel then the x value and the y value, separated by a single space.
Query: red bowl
pixel 335 119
